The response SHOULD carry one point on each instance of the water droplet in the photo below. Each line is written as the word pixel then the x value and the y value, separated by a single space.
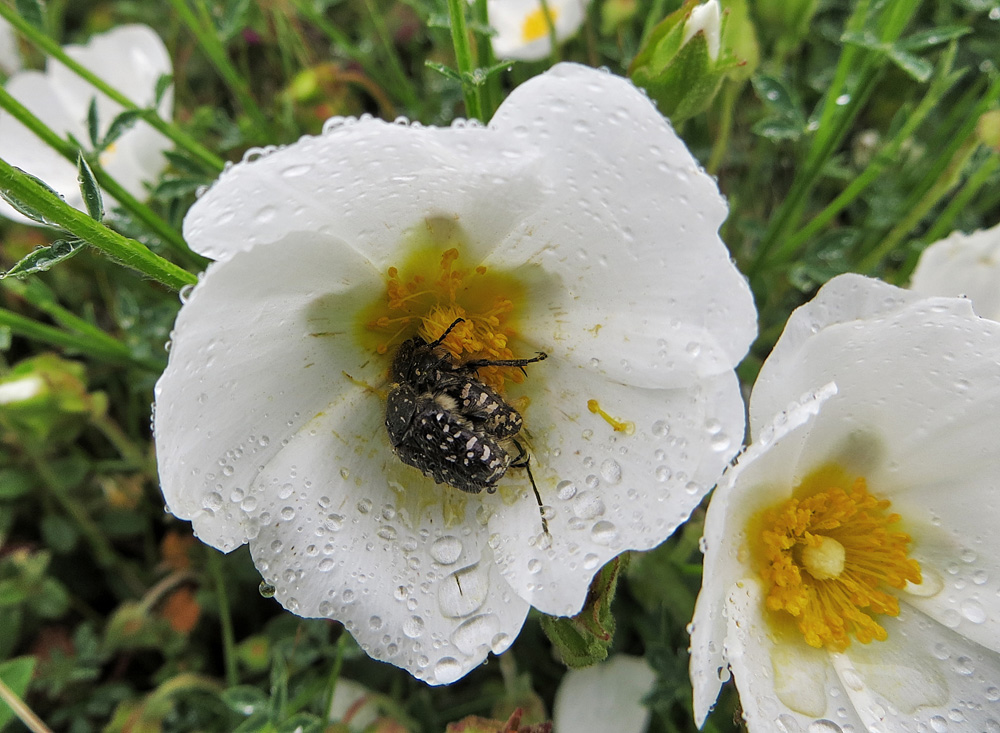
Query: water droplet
pixel 591 561
pixel 566 490
pixel 787 724
pixel 375 622
pixel 663 473
pixel 660 428
pixel 973 611
pixel 499 643
pixel 463 592
pixel 387 533
pixel 447 670
pixel 266 589
pixel 446 550
pixel 365 506
pixel 604 533
pixel 476 632
pixel 588 505
pixel 611 471
pixel 326 564
pixel 534 566
pixel 824 726
pixel 288 513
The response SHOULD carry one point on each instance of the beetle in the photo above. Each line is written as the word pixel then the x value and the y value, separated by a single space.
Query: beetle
pixel 444 421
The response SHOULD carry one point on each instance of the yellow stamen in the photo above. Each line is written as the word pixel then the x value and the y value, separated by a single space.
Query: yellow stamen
pixel 536 26
pixel 430 290
pixel 829 561
pixel 619 426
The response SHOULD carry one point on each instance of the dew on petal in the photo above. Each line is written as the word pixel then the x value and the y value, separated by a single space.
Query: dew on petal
pixel 475 633
pixel 447 670
pixel 446 550
pixel 463 592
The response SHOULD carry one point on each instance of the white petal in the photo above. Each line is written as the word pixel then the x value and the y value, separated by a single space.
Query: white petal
pixel 763 475
pixel 963 264
pixel 508 18
pixel 785 685
pixel 10 57
pixel 636 249
pixel 22 148
pixel 346 540
pixel 260 348
pixel 704 19
pixel 370 183
pixel 605 697
pixel 607 491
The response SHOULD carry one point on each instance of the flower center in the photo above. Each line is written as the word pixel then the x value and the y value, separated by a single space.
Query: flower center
pixel 829 560
pixel 430 290
pixel 536 25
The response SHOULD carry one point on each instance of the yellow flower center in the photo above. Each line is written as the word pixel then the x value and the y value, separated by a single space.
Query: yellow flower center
pixel 536 25
pixel 829 560
pixel 432 288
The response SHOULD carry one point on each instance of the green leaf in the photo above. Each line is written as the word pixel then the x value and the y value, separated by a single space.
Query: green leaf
pixel 478 77
pixel 177 187
pixel 52 601
pixel 234 18
pixel 933 37
pixel 162 85
pixel 246 700
pixel 93 123
pixel 120 125
pixel 864 39
pixel 916 67
pixel 59 533
pixel 779 128
pixel 16 674
pixel 185 164
pixel 444 70
pixel 25 208
pixel 43 258
pixel 302 722
pixel 12 593
pixel 776 96
pixel 32 11
pixel 88 187
pixel 253 724
pixel 15 483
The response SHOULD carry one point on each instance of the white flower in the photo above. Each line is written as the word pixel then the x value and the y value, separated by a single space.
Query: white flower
pixel 605 697
pixel 852 561
pixel 522 31
pixel 704 18
pixel 10 57
pixel 130 58
pixel 963 264
pixel 576 224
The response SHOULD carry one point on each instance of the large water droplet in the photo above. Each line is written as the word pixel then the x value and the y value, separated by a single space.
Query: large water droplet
pixel 266 589
pixel 464 591
pixel 447 670
pixel 413 627
pixel 446 550
pixel 475 633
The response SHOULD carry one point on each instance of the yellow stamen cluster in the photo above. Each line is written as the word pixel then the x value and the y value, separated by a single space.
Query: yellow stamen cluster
pixel 536 26
pixel 829 559
pixel 428 299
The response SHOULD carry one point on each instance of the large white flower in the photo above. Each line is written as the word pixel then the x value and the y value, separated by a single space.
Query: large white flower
pixel 852 561
pixel 522 31
pixel 963 264
pixel 576 224
pixel 130 58
pixel 10 57
pixel 605 697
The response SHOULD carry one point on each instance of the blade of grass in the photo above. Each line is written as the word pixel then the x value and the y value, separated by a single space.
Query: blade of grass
pixel 463 58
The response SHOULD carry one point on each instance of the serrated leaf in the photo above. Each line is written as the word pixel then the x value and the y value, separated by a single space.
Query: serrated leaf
pixel 162 85
pixel 93 123
pixel 45 257
pixel 23 207
pixel 915 66
pixel 120 125
pixel 88 187
pixel 444 70
pixel 16 674
pixel 34 12
pixel 933 37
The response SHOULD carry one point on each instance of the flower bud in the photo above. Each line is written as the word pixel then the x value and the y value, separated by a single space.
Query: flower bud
pixel 683 62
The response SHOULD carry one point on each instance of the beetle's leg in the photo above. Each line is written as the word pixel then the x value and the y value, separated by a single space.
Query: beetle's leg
pixel 480 363
pixel 523 460
pixel 443 336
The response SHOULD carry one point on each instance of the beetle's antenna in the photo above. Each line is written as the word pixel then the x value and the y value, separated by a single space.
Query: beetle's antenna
pixel 526 465
pixel 443 336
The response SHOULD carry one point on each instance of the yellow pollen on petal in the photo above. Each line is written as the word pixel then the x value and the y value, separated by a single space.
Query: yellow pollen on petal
pixel 436 285
pixel 830 560
pixel 535 25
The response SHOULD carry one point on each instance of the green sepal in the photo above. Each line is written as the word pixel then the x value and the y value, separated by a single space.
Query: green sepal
pixel 93 123
pixel 585 639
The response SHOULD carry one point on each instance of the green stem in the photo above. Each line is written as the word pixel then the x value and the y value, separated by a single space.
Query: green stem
pixel 886 156
pixel 490 91
pixel 225 616
pixel 127 251
pixel 403 84
pixel 100 350
pixel 463 57
pixel 210 44
pixel 51 48
pixel 69 151
pixel 947 181
pixel 730 91
pixel 338 662
pixel 550 28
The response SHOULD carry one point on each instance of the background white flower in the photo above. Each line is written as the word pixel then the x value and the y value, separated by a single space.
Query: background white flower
pixel 522 31
pixel 907 397
pixel 130 58
pixel 10 57
pixel 605 697
pixel 601 233
pixel 963 264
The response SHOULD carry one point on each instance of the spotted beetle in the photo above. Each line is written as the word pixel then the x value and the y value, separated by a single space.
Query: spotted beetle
pixel 444 421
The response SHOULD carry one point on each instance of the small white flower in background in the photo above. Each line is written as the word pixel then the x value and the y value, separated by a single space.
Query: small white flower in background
pixel 963 264
pixel 852 562
pixel 10 57
pixel 705 19
pixel 577 224
pixel 522 31
pixel 605 697
pixel 131 58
